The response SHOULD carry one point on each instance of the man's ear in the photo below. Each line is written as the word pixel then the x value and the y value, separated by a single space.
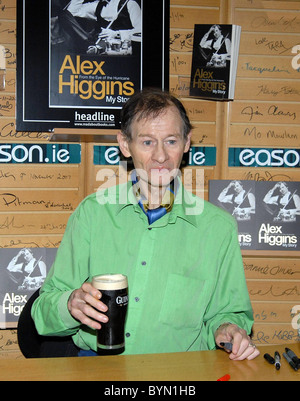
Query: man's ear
pixel 123 144
pixel 188 143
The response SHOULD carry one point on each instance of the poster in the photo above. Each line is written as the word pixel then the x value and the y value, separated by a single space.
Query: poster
pixel 79 61
pixel 238 199
pixel 278 218
pixel 214 61
pixel 267 212
pixel 22 272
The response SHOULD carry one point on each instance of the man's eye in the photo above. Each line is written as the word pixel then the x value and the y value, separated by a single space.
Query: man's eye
pixel 147 143
pixel 172 141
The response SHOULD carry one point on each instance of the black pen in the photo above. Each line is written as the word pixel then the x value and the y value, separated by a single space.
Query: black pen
pixel 292 364
pixel 269 358
pixel 277 360
pixel 293 357
pixel 227 346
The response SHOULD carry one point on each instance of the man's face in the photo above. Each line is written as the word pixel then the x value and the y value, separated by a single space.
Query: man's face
pixel 237 187
pixel 27 255
pixel 217 32
pixel 283 188
pixel 156 147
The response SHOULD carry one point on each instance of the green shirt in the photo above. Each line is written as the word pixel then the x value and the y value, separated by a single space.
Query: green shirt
pixel 185 272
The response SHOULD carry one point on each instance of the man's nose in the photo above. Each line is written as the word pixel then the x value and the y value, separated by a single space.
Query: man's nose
pixel 160 153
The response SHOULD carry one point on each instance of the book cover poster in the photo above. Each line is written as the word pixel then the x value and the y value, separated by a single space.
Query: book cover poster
pixel 22 272
pixel 210 75
pixel 278 217
pixel 89 57
pixel 239 199
pixel 267 212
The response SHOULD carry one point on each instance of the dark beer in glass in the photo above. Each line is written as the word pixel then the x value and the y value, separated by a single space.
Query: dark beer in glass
pixel 114 290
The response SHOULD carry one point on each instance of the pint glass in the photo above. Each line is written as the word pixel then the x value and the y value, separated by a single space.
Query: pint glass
pixel 114 289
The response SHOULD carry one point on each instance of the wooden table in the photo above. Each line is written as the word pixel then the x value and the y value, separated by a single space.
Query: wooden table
pixel 185 366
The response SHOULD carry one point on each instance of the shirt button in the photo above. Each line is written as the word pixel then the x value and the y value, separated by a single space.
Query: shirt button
pixel 127 335
pixel 144 263
pixel 137 299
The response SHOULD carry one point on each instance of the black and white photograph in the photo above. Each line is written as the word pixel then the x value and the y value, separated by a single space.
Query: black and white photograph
pixel 215 47
pixel 96 27
pixel 282 202
pixel 238 198
pixel 89 57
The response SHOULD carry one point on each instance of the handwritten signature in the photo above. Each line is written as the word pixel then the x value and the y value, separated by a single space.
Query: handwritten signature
pixel 9 199
pixel 273 110
pixel 9 223
pixel 284 90
pixel 8 131
pixel 278 336
pixel 270 270
pixel 286 23
pixel 266 176
pixel 21 244
pixel 277 46
pixel 293 291
pixel 182 41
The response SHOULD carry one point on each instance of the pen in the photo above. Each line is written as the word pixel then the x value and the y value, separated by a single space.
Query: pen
pixel 269 358
pixel 228 346
pixel 277 360
pixel 292 364
pixel 293 357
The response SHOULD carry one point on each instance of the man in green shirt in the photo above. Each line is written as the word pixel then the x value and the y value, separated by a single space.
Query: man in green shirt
pixel 187 289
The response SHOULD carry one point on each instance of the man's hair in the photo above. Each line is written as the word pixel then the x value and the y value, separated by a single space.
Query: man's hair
pixel 150 103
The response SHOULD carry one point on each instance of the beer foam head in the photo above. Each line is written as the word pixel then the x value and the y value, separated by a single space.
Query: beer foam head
pixel 110 282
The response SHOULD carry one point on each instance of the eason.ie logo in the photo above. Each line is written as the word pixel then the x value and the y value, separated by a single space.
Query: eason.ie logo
pixel 40 153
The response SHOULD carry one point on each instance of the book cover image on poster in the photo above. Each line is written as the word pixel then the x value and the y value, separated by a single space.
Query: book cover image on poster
pixel 267 213
pixel 88 59
pixel 22 272
pixel 95 57
pixel 278 216
pixel 214 61
pixel 238 199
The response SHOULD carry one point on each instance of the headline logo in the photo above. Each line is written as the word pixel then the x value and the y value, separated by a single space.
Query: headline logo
pixel 255 157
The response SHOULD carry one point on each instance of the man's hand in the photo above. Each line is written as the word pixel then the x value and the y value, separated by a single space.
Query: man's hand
pixel 84 305
pixel 242 347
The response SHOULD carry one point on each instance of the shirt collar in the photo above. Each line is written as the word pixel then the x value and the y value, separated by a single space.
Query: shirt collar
pixel 186 206
pixel 168 198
